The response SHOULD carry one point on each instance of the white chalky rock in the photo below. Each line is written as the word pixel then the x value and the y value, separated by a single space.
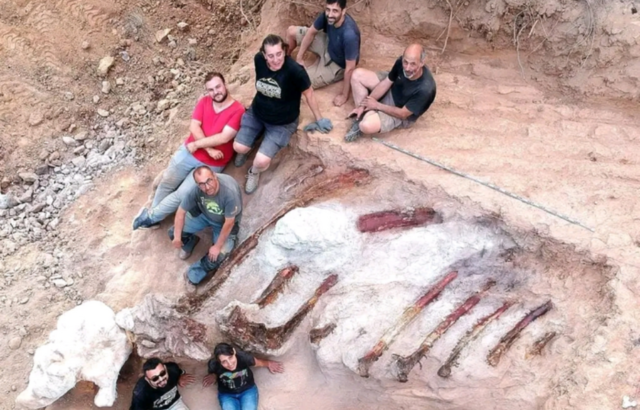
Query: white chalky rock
pixel 628 403
pixel 86 345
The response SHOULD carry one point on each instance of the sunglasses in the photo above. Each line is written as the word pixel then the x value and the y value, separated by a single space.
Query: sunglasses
pixel 158 376
pixel 205 183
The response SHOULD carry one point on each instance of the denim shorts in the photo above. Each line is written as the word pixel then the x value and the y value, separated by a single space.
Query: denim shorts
pixel 275 138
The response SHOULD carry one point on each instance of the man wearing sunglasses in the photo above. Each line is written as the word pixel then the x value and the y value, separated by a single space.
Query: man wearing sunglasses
pixel 215 203
pixel 158 388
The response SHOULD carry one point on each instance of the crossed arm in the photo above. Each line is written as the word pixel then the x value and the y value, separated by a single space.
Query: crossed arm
pixel 204 142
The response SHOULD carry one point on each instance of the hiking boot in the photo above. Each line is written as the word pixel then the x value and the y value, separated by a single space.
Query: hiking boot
pixel 354 132
pixel 239 160
pixel 189 286
pixel 252 181
pixel 188 248
pixel 143 221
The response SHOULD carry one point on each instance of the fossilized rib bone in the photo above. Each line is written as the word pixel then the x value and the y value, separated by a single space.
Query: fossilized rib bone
pixel 321 190
pixel 537 347
pixel 276 286
pixel 257 337
pixel 404 365
pixel 381 221
pixel 471 335
pixel 319 333
pixel 494 356
pixel 408 315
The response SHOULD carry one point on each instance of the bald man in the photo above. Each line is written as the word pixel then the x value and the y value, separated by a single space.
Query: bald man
pixel 398 97
pixel 215 203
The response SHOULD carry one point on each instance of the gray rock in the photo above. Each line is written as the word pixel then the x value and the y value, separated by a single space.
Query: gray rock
pixel 106 87
pixel 81 136
pixel 79 161
pixel 60 283
pixel 69 141
pixel 104 145
pixel 103 113
pixel 162 105
pixel 37 208
pixel 28 177
pixel 69 95
pixel 96 99
pixel 42 169
pixel 55 155
pixel 27 197
pixel 15 343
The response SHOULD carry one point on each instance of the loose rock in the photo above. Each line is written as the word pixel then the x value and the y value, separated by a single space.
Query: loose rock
pixel 103 113
pixel 104 65
pixel 69 141
pixel 162 34
pixel 85 45
pixel 35 119
pixel 28 177
pixel 15 343
pixel 106 87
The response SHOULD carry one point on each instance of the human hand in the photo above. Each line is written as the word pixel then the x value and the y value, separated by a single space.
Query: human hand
pixel 340 99
pixel 186 379
pixel 300 61
pixel 369 104
pixel 275 367
pixel 215 153
pixel 356 113
pixel 191 147
pixel 214 251
pixel 176 242
pixel 209 380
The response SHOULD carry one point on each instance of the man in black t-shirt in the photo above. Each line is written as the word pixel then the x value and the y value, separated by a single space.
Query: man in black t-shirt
pixel 334 37
pixel 280 83
pixel 158 388
pixel 398 98
pixel 231 368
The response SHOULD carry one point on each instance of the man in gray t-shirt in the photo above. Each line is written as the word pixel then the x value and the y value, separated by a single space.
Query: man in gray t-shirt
pixel 215 203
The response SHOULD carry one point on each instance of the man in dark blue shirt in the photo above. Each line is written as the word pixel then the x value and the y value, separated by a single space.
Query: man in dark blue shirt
pixel 335 38
pixel 398 97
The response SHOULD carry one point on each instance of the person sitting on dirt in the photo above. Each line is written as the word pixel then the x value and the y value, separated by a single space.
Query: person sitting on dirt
pixel 158 388
pixel 397 97
pixel 337 47
pixel 232 369
pixel 215 203
pixel 280 82
pixel 214 124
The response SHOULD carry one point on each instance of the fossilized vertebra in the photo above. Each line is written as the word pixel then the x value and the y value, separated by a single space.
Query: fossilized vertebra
pixel 407 316
pixel 404 365
pixel 479 327
pixel 493 358
pixel 381 221
pixel 257 336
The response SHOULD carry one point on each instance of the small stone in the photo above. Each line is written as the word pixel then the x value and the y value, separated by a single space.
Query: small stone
pixel 35 119
pixel 55 155
pixel 162 34
pixel 7 201
pixel 69 95
pixel 628 402
pixel 81 136
pixel 106 87
pixel 119 81
pixel 78 161
pixel 172 44
pixel 103 113
pixel 42 169
pixel 15 343
pixel 24 300
pixel 183 26
pixel 96 99
pixel 85 45
pixel 28 177
pixel 162 105
pixel 104 145
pixel 193 41
pixel 60 283
pixel 4 184
pixel 104 65
pixel 72 127
pixel 37 208
pixel 69 141
pixel 125 56
pixel 13 387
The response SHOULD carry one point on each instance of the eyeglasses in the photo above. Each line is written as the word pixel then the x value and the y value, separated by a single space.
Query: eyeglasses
pixel 208 182
pixel 158 376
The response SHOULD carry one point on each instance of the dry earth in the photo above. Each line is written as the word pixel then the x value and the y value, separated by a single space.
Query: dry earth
pixel 560 128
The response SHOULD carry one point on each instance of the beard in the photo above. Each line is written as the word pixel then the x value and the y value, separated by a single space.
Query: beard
pixel 406 74
pixel 220 97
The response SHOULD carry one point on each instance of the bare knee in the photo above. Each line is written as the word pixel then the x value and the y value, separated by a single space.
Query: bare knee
pixel 357 76
pixel 240 149
pixel 370 124
pixel 261 162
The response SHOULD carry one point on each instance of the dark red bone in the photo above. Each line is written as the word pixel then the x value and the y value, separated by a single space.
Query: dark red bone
pixel 404 365
pixel 317 334
pixel 381 221
pixel 537 347
pixel 276 286
pixel 494 356
pixel 365 362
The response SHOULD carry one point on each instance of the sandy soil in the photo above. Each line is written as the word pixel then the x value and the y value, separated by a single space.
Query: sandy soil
pixel 537 136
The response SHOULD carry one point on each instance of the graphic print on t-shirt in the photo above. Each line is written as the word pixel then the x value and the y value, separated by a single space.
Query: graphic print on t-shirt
pixel 166 398
pixel 234 380
pixel 269 87
pixel 211 206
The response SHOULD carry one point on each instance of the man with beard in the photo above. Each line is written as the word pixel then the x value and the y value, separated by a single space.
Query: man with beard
pixel 280 83
pixel 335 38
pixel 158 388
pixel 397 97
pixel 214 124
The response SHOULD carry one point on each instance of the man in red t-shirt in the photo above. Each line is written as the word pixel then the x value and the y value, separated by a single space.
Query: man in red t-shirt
pixel 214 124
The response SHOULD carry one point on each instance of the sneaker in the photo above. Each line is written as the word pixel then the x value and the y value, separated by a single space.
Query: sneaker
pixel 185 254
pixel 252 182
pixel 189 286
pixel 354 132
pixel 143 221
pixel 239 160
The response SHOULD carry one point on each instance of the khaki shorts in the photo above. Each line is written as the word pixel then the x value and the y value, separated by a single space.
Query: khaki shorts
pixel 324 71
pixel 389 122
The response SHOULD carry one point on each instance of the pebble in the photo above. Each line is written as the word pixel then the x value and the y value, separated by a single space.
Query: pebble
pixel 103 113
pixel 15 343
pixel 106 87
pixel 24 300
pixel 35 119
pixel 81 136
pixel 183 26
pixel 96 99
pixel 104 65
pixel 59 283
pixel 162 34
pixel 79 161
pixel 69 141
pixel 28 177
pixel 85 45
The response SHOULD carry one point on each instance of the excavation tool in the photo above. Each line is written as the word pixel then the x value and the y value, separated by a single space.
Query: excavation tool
pixel 258 337
pixel 404 365
pixel 479 327
pixel 381 221
pixel 507 340
pixel 407 317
